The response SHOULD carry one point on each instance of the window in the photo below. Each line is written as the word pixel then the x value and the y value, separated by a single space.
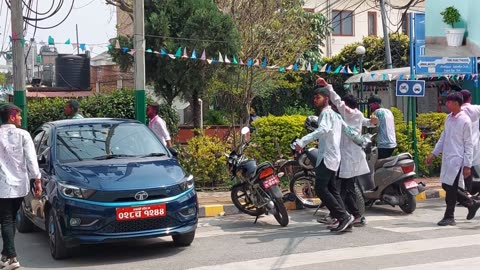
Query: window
pixel 342 22
pixel 372 23
pixel 406 24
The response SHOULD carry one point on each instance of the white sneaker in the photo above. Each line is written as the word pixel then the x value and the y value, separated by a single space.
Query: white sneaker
pixel 3 262
pixel 12 264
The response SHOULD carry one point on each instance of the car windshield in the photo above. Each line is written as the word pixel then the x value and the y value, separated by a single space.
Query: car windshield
pixel 106 141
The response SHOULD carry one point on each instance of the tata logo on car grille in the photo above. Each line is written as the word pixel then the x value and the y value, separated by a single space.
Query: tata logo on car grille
pixel 141 195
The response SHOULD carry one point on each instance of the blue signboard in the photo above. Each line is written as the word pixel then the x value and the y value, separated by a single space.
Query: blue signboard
pixel 410 88
pixel 446 65
pixel 422 64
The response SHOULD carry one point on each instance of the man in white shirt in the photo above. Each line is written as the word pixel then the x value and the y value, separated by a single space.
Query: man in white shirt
pixel 455 145
pixel 473 111
pixel 18 164
pixel 328 134
pixel 158 125
pixel 386 138
pixel 354 162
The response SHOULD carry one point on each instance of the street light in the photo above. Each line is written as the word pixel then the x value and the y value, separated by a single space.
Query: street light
pixel 360 51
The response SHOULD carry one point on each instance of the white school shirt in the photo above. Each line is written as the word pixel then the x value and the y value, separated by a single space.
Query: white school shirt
pixel 354 161
pixel 328 134
pixel 18 162
pixel 159 127
pixel 473 111
pixel 455 145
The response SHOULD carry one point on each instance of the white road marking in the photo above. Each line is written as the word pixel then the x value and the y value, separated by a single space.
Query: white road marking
pixel 470 263
pixel 325 256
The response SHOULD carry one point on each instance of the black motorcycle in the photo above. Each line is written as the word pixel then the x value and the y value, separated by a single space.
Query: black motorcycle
pixel 257 191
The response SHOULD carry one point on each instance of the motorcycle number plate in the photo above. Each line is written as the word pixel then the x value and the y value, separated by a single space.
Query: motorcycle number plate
pixel 410 184
pixel 271 181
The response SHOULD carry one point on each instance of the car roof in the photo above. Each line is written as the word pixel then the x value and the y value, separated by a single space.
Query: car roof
pixel 86 121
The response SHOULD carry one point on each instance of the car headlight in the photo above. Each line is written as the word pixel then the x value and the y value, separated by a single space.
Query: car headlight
pixel 74 191
pixel 187 183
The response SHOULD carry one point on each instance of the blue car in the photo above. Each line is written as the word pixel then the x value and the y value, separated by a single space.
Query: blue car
pixel 108 180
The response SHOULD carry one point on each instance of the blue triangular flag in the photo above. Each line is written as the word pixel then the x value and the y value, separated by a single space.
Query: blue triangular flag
pixel 163 52
pixel 194 55
pixel 468 76
pixel 295 66
pixel 400 77
pixel 83 46
pixel 250 62
pixel 329 69
pixel 264 63
pixel 345 70
pixel 372 75
pixel 125 49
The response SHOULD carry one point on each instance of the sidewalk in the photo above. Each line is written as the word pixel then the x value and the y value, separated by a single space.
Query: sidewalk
pixel 219 203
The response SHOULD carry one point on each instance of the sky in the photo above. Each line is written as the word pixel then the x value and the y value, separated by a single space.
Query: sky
pixel 96 25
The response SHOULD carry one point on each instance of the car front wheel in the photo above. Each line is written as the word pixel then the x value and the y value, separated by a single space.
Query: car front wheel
pixel 23 224
pixel 57 246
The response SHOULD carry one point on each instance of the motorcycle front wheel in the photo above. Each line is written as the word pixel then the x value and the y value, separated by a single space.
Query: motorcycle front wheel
pixel 281 214
pixel 302 185
pixel 241 200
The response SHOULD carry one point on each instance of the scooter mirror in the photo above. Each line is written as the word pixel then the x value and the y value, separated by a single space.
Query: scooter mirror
pixel 245 130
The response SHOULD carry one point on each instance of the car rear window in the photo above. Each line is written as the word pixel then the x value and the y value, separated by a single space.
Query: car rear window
pixel 94 141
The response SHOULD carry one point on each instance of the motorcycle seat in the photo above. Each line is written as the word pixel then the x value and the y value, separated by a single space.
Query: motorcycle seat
pixel 391 161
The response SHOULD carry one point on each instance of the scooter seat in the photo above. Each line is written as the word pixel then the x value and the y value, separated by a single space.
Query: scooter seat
pixel 388 162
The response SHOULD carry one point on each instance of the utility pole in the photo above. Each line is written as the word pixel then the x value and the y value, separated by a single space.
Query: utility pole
pixel 78 44
pixel 388 54
pixel 19 97
pixel 329 35
pixel 139 47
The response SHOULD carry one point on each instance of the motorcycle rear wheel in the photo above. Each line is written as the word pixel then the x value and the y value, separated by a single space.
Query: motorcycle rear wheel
pixel 302 185
pixel 241 200
pixel 281 214
pixel 410 202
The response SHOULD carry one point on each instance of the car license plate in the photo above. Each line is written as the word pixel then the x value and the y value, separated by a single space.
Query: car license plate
pixel 141 212
pixel 271 181
pixel 410 184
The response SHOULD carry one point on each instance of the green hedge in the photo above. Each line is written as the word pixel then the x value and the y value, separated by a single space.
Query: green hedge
pixel 273 136
pixel 118 104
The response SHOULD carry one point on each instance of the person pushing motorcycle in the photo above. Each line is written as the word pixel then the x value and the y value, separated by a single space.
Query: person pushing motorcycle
pixel 328 134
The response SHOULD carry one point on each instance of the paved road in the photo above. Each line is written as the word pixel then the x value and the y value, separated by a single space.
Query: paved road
pixel 390 241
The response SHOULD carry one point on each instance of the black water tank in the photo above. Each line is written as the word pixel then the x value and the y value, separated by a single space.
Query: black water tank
pixel 73 71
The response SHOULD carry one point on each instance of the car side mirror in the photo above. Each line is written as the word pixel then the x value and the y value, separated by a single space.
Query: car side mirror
pixel 42 161
pixel 173 151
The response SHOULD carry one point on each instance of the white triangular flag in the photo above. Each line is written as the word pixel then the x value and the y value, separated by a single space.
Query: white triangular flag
pixel 220 58
pixel 226 59
pixel 324 68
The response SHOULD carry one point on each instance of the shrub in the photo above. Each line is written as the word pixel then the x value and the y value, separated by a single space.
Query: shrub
pixel 405 143
pixel 299 110
pixel 215 117
pixel 273 136
pixel 204 157
pixel 118 104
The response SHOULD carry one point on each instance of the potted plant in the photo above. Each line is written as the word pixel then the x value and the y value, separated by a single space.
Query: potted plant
pixel 454 35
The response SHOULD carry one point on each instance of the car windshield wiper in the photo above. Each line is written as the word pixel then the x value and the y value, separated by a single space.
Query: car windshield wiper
pixel 154 155
pixel 112 156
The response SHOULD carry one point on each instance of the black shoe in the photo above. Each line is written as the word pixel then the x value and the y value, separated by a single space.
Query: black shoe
pixel 344 223
pixel 472 210
pixel 447 222
pixel 349 228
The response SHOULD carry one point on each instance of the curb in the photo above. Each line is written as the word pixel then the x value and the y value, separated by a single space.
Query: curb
pixel 214 210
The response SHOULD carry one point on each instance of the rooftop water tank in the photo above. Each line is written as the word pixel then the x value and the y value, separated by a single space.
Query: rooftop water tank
pixel 73 71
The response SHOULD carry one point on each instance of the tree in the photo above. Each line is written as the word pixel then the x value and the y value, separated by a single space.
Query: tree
pixel 191 24
pixel 278 31
pixel 3 78
pixel 374 58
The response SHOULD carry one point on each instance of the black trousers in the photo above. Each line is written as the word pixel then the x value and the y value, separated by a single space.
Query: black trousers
pixel 327 189
pixel 454 194
pixel 347 192
pixel 385 152
pixel 8 214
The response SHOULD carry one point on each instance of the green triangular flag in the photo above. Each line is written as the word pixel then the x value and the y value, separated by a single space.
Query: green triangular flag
pixel 315 67
pixel 22 41
pixel 179 52
pixel 51 41
pixel 282 69
pixel 338 69
pixel 68 41
pixel 235 62
pixel 355 71
pixel 109 47
pixel 148 50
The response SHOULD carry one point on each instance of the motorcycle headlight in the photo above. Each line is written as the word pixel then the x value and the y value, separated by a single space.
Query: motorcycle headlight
pixel 74 191
pixel 187 183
